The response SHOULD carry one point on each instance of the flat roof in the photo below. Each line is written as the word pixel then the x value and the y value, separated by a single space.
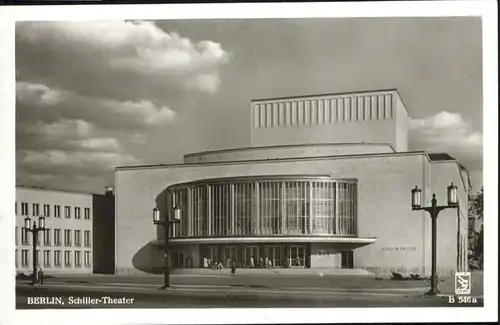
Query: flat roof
pixel 354 92
pixel 218 151
pixel 441 156
pixel 273 160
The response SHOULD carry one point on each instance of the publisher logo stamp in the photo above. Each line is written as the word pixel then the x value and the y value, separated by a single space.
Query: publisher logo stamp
pixel 462 283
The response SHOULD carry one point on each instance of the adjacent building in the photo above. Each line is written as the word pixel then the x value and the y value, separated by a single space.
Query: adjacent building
pixel 324 182
pixel 71 243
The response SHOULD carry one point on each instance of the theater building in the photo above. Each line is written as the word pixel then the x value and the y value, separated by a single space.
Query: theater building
pixel 79 234
pixel 325 182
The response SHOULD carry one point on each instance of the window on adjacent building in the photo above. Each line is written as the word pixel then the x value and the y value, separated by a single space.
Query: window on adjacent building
pixel 36 212
pixel 67 258
pixel 38 238
pixel 24 209
pixel 87 259
pixel 25 257
pixel 78 258
pixel 67 212
pixel 86 238
pixel 46 258
pixel 77 213
pixel 78 241
pixel 57 211
pixel 57 237
pixel 87 213
pixel 57 258
pixel 16 237
pixel 46 210
pixel 67 237
pixel 15 209
pixel 17 259
pixel 24 237
pixel 38 260
pixel 46 237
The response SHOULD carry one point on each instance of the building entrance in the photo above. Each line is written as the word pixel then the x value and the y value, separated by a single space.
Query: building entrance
pixel 230 254
pixel 297 256
pixel 273 256
pixel 250 256
pixel 347 259
pixel 257 256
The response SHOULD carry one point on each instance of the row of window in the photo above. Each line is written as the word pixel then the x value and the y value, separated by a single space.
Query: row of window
pixel 265 207
pixel 56 210
pixel 47 237
pixel 323 110
pixel 26 256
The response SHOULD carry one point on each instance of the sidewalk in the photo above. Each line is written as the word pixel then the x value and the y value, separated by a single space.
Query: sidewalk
pixel 243 281
pixel 224 290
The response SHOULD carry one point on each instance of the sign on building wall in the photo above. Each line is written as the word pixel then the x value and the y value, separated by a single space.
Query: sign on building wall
pixel 399 248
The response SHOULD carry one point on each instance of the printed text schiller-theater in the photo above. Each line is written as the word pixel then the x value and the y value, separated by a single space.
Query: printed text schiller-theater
pixel 324 183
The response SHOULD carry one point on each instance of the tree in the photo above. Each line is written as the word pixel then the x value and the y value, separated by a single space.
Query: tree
pixel 476 205
pixel 476 210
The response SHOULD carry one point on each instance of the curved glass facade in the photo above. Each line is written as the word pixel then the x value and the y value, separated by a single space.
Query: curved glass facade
pixel 265 206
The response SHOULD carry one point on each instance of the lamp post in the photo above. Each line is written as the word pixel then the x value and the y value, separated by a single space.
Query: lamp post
pixel 434 209
pixel 34 230
pixel 166 223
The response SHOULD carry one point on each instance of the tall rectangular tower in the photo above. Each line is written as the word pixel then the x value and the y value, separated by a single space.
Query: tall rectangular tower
pixel 356 117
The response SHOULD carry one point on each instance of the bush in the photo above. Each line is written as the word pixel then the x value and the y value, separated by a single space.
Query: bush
pixel 412 276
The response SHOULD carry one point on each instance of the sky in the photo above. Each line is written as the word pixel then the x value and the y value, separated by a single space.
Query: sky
pixel 91 96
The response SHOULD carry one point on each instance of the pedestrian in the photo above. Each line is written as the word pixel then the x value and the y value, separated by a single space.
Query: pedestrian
pixel 40 275
pixel 252 263
pixel 233 267
pixel 205 262
pixel 261 262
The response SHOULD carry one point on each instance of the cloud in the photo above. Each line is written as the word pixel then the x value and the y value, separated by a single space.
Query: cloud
pixel 123 113
pixel 76 159
pixel 37 93
pixel 63 128
pixel 448 132
pixel 84 183
pixel 206 82
pixel 145 110
pixel 90 95
pixel 118 51
pixel 105 144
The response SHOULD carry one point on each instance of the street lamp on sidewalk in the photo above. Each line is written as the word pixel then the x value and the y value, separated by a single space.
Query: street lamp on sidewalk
pixel 34 230
pixel 434 209
pixel 166 223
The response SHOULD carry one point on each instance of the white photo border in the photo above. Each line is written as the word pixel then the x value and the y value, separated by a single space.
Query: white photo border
pixel 9 15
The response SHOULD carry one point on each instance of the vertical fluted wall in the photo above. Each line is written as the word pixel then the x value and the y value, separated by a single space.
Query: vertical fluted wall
pixel 322 110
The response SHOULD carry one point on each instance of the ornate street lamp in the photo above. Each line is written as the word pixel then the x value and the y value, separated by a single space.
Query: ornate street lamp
pixel 434 209
pixel 34 230
pixel 166 226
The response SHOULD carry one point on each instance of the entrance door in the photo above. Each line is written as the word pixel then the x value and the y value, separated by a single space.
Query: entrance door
pixel 213 257
pixel 297 255
pixel 230 253
pixel 249 252
pixel 347 259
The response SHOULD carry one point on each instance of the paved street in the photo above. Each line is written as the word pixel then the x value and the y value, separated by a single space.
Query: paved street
pixel 223 290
